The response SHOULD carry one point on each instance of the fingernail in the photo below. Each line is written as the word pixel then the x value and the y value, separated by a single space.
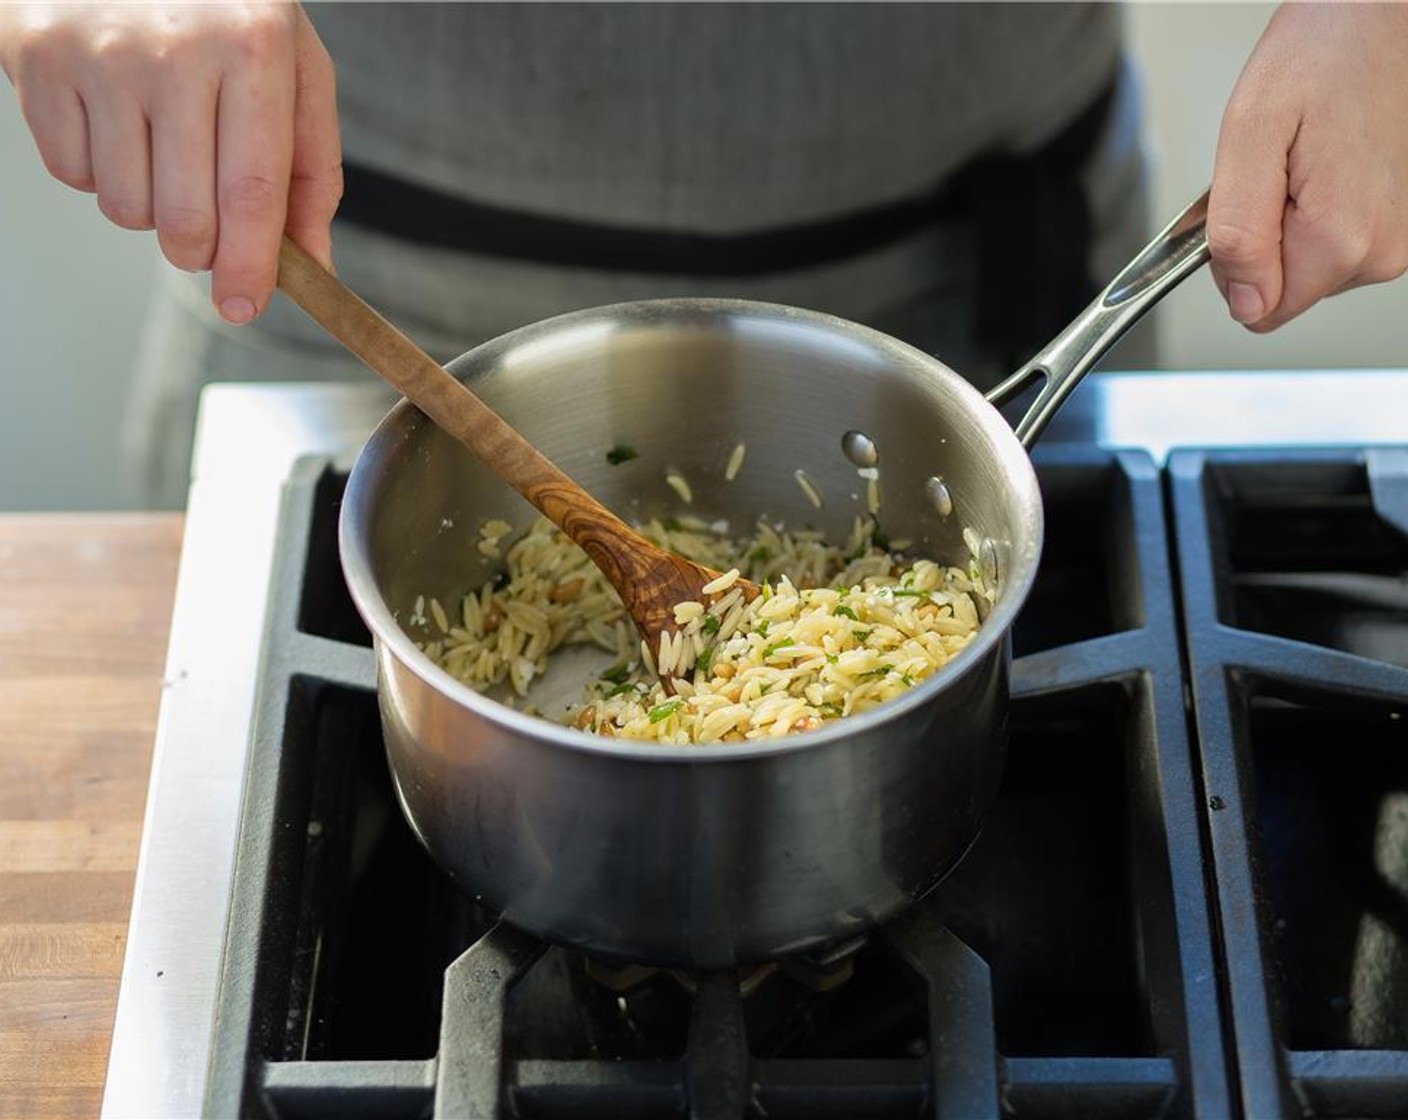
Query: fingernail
pixel 237 310
pixel 1245 302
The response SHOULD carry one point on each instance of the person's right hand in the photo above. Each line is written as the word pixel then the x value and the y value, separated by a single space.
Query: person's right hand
pixel 214 123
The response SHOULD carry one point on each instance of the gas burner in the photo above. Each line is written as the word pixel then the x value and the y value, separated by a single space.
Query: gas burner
pixel 619 978
pixel 626 978
pixel 819 971
pixel 747 979
pixel 827 968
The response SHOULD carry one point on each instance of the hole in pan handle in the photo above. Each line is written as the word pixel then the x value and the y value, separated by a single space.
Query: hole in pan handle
pixel 1179 250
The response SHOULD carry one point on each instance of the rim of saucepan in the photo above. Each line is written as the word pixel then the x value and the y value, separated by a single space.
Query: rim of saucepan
pixel 355 519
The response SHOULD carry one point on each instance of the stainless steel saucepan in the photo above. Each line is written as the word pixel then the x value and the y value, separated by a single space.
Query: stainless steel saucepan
pixel 712 856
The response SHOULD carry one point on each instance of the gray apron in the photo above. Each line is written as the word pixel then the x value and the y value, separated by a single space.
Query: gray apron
pixel 717 121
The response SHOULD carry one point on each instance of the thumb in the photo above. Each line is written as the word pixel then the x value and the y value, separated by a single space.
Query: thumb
pixel 1247 204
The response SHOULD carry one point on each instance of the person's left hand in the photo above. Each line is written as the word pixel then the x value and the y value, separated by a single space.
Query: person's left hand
pixel 1310 186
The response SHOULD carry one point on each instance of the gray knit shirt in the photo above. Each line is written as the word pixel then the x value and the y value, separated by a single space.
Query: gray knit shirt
pixel 713 118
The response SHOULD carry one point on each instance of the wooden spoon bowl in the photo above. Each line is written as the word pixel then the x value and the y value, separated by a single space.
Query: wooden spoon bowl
pixel 649 580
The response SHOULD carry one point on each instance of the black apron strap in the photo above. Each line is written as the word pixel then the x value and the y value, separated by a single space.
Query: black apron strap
pixel 1033 233
pixel 1032 203
pixel 425 216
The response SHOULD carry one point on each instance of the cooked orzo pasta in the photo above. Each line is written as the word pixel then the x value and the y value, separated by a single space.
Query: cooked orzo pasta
pixel 837 630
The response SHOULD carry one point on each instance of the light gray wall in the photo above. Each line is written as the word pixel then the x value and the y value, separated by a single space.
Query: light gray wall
pixel 72 288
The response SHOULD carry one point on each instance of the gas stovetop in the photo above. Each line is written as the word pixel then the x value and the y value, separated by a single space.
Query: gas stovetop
pixel 1191 898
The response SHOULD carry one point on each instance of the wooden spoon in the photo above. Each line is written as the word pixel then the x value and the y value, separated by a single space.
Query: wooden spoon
pixel 650 580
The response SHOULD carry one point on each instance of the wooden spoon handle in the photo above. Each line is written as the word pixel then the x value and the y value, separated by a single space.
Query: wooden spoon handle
pixel 614 547
pixel 419 377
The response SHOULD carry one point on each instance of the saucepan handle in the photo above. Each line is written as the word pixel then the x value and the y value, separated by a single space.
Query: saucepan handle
pixel 1177 252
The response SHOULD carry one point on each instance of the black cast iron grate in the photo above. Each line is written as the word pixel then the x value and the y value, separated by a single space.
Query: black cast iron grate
pixel 1295 597
pixel 1065 969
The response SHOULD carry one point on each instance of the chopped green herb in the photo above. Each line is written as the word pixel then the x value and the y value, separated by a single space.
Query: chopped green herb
pixel 711 624
pixel 907 679
pixel 831 659
pixel 623 687
pixel 877 672
pixel 880 539
pixel 846 612
pixel 705 658
pixel 665 710
pixel 617 674
pixel 673 524
pixel 862 635
pixel 908 593
pixel 621 453
pixel 831 710
pixel 772 649
pixel 760 555
pixel 762 630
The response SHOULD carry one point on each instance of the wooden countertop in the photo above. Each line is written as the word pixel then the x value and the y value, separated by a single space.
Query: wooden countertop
pixel 85 607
